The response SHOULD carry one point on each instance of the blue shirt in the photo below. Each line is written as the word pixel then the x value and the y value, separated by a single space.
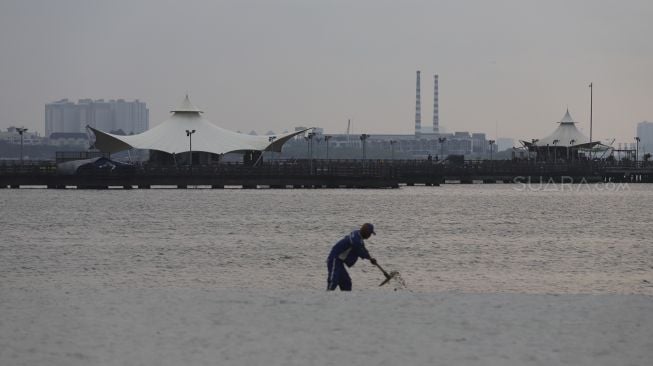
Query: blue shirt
pixel 350 248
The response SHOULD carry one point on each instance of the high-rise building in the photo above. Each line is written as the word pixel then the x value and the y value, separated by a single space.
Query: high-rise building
pixel 479 143
pixel 61 116
pixel 645 134
pixel 113 115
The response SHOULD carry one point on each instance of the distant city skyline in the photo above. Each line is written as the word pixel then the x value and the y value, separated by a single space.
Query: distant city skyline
pixel 130 117
pixel 507 68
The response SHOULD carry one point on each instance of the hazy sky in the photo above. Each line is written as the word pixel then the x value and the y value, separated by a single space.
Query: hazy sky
pixel 273 65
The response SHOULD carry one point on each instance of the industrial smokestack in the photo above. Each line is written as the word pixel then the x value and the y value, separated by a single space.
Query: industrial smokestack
pixel 418 108
pixel 436 102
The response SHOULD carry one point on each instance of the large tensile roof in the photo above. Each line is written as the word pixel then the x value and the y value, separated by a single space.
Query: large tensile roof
pixel 170 136
pixel 566 135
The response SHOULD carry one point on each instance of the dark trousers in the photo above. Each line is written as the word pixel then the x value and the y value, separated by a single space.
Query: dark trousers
pixel 338 276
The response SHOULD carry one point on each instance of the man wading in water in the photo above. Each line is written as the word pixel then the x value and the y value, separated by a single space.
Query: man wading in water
pixel 347 251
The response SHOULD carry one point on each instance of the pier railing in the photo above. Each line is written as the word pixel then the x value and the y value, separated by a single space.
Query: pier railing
pixel 320 172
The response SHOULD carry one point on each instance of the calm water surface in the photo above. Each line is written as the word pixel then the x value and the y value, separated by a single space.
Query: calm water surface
pixel 471 238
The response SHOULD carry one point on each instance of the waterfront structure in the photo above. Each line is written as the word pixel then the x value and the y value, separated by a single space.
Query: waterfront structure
pixel 421 146
pixel 120 116
pixel 171 137
pixel 566 142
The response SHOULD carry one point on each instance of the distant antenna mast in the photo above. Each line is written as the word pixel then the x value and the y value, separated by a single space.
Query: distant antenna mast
pixel 348 128
pixel 418 107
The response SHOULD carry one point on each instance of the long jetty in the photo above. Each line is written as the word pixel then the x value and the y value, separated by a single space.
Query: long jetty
pixel 324 174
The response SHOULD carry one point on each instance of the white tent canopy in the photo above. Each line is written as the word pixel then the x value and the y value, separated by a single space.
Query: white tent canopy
pixel 566 135
pixel 171 137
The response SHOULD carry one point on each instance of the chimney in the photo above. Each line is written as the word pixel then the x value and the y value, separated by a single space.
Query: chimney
pixel 418 108
pixel 436 105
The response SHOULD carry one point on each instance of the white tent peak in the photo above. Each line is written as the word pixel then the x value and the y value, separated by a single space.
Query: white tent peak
pixel 187 107
pixel 567 118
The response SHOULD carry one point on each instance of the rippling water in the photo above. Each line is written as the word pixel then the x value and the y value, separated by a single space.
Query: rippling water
pixel 472 238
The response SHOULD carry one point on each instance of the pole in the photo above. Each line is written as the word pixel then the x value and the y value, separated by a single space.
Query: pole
pixel 20 132
pixel 21 148
pixel 442 140
pixel 491 142
pixel 363 139
pixel 591 110
pixel 326 141
pixel 190 133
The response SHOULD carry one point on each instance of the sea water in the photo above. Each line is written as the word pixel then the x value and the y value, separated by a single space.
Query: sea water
pixel 467 238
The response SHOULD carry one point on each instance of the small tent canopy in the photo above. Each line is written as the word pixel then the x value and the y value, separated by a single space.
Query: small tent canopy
pixel 171 136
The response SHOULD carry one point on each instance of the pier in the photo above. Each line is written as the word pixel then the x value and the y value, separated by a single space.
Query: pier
pixel 281 174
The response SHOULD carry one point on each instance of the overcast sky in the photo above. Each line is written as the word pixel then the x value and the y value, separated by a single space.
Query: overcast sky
pixel 272 65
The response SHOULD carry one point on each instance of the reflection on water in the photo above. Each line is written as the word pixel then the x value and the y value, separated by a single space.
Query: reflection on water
pixel 472 238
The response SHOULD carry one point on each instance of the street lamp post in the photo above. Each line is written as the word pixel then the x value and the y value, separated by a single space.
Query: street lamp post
pixel 326 141
pixel 363 138
pixel 534 146
pixel 442 140
pixel 392 148
pixel 555 150
pixel 311 135
pixel 271 140
pixel 20 132
pixel 190 133
pixel 571 144
pixel 636 149
pixel 491 143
